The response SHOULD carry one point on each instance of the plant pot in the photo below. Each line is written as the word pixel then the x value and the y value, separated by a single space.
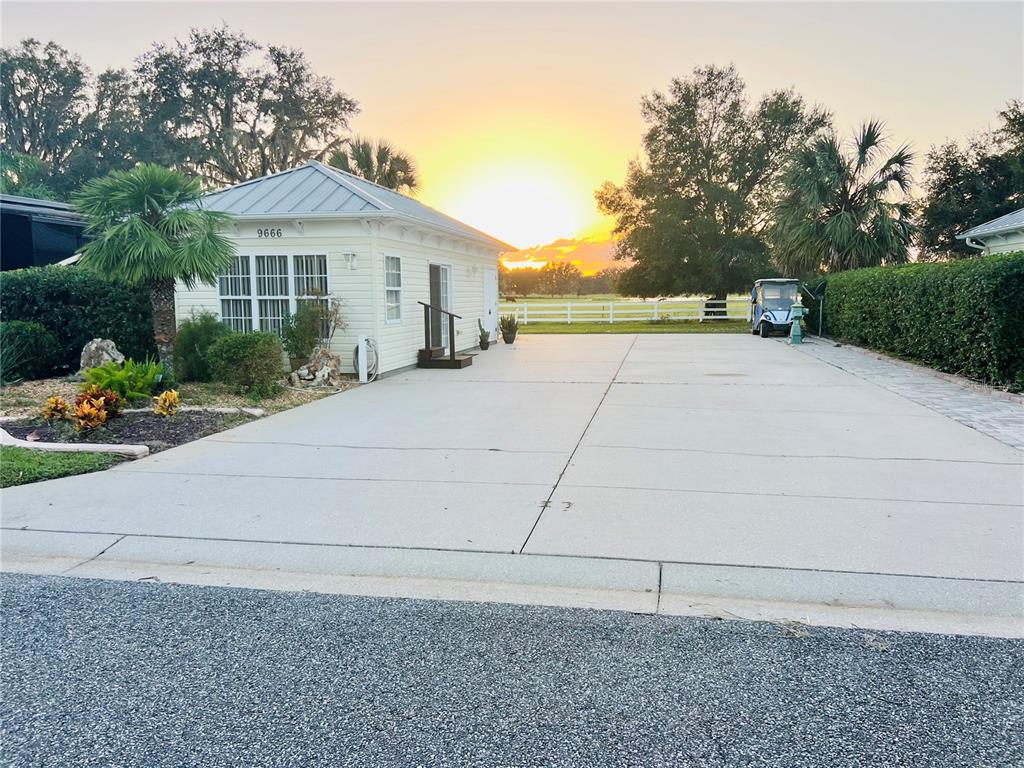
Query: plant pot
pixel 296 362
pixel 485 345
pixel 508 338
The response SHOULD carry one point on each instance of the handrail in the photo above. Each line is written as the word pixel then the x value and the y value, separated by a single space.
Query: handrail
pixel 439 309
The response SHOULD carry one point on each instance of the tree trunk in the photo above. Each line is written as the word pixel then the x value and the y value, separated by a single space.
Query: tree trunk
pixel 161 296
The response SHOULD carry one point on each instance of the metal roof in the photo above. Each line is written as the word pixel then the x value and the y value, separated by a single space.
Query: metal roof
pixel 320 190
pixel 1008 223
pixel 39 209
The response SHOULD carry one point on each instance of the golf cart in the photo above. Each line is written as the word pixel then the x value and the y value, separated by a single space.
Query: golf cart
pixel 772 301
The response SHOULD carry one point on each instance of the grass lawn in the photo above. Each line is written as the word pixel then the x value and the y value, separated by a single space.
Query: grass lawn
pixel 22 465
pixel 641 326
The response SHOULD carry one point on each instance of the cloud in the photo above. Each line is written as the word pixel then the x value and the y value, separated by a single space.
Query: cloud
pixel 589 254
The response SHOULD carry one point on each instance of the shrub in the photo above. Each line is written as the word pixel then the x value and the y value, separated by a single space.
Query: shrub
pixel 129 380
pixel 966 316
pixel 303 331
pixel 195 337
pixel 94 406
pixel 250 361
pixel 56 409
pixel 26 350
pixel 78 305
pixel 167 403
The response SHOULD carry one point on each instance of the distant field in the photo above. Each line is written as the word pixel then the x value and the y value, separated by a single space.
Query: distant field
pixel 641 326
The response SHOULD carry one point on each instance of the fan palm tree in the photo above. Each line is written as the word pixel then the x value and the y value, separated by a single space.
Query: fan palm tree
pixel 377 161
pixel 148 228
pixel 844 211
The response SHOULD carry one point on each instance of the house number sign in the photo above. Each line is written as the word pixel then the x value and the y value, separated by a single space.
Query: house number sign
pixel 269 232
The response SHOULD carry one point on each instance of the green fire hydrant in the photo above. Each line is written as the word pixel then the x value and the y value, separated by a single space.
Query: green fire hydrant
pixel 797 311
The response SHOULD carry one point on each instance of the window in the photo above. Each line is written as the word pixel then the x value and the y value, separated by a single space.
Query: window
pixel 235 291
pixel 273 305
pixel 392 289
pixel 259 291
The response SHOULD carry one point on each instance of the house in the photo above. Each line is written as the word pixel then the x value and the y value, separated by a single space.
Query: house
pixel 37 232
pixel 315 230
pixel 1002 235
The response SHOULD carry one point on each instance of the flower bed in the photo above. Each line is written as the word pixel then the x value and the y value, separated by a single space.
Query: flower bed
pixel 149 429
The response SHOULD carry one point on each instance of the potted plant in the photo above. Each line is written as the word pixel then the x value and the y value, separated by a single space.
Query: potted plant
pixel 509 328
pixel 301 332
pixel 485 336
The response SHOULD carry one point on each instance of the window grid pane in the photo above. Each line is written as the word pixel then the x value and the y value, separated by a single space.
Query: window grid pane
pixel 272 313
pixel 236 314
pixel 236 281
pixel 271 275
pixel 311 275
pixel 392 288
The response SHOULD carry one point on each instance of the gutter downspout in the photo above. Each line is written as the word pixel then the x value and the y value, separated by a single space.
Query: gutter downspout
pixel 970 241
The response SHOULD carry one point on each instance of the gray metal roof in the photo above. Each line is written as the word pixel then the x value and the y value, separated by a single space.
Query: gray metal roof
pixel 1008 223
pixel 320 190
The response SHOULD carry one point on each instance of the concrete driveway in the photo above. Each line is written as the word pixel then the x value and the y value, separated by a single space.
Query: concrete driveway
pixel 672 473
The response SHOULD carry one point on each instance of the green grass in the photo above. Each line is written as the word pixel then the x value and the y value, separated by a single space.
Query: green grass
pixel 641 326
pixel 23 465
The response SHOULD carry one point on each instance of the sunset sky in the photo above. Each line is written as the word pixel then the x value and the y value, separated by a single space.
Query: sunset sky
pixel 515 113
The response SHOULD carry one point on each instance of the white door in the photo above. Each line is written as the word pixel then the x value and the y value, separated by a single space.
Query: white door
pixel 491 301
pixel 440 296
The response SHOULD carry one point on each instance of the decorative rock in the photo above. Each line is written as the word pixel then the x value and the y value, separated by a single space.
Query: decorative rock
pixel 293 379
pixel 322 370
pixel 98 352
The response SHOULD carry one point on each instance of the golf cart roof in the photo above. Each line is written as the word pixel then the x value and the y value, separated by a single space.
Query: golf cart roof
pixel 776 280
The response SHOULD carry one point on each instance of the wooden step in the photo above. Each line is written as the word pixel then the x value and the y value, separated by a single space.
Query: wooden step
pixel 460 361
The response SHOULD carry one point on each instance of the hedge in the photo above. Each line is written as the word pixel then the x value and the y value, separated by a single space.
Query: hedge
pixel 26 350
pixel 253 362
pixel 965 317
pixel 77 305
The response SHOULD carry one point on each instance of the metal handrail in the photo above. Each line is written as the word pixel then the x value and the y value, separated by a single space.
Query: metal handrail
pixel 452 317
pixel 439 309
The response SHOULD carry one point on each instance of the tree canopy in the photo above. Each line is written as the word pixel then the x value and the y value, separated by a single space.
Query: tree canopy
pixel 377 161
pixel 693 214
pixel 216 105
pixel 967 186
pixel 844 211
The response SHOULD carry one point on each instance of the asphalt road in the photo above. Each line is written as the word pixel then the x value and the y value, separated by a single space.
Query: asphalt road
pixel 142 674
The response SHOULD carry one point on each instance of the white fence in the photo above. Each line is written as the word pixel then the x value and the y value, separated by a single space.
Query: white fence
pixel 624 311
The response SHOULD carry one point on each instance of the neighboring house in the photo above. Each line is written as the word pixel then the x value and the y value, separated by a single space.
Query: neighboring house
pixel 1002 235
pixel 35 233
pixel 315 230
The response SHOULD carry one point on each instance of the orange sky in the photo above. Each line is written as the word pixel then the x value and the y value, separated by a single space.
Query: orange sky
pixel 515 113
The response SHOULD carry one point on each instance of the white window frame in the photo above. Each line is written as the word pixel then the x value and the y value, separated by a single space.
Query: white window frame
pixel 247 298
pixel 389 289
pixel 286 297
pixel 253 298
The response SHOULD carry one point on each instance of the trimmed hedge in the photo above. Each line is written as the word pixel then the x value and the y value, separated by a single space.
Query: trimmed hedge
pixel 966 317
pixel 195 337
pixel 26 350
pixel 253 362
pixel 77 305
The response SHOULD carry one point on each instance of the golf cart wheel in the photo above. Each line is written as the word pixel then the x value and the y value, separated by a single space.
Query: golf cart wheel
pixel 766 330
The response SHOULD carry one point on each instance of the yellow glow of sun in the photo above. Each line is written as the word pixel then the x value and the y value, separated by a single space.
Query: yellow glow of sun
pixel 521 203
pixel 523 179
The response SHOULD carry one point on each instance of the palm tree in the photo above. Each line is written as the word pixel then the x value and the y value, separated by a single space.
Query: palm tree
pixel 149 229
pixel 842 211
pixel 377 161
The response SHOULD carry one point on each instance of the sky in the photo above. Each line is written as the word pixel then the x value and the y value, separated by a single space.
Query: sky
pixel 516 112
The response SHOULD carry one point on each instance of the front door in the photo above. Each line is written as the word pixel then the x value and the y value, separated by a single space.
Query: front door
pixel 491 301
pixel 440 296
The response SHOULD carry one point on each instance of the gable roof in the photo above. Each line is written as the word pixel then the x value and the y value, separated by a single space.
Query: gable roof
pixel 320 190
pixel 1008 223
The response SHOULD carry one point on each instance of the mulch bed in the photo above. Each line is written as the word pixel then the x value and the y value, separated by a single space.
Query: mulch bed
pixel 158 432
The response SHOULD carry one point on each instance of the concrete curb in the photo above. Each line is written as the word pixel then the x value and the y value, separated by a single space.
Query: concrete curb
pixel 131 451
pixel 862 600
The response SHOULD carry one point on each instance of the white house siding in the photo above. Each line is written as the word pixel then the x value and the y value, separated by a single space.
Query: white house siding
pixel 1007 242
pixel 361 290
pixel 332 238
pixel 399 342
